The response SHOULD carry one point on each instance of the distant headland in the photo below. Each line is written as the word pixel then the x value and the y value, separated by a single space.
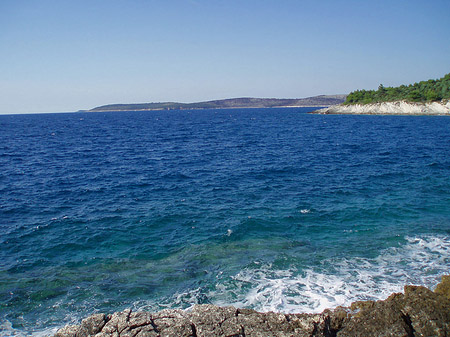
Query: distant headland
pixel 430 97
pixel 231 103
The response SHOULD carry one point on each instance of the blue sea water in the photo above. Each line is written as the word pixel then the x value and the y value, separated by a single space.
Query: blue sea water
pixel 271 209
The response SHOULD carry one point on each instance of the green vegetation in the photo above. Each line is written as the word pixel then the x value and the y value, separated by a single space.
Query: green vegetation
pixel 425 91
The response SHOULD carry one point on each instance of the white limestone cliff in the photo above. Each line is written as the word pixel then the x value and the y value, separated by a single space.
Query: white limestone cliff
pixel 390 108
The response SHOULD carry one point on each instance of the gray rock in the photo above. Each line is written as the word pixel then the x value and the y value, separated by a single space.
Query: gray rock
pixel 68 331
pixel 92 325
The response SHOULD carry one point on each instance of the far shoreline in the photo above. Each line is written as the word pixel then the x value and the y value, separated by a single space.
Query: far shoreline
pixel 144 110
pixel 224 108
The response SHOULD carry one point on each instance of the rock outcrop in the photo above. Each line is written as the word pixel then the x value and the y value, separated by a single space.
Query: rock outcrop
pixel 417 312
pixel 390 108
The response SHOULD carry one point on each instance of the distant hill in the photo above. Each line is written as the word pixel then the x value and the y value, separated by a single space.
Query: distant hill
pixel 244 102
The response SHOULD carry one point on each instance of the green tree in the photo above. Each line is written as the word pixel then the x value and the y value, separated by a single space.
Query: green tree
pixel 415 96
pixel 432 96
pixel 431 90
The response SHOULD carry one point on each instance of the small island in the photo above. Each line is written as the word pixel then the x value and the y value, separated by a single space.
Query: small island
pixel 430 97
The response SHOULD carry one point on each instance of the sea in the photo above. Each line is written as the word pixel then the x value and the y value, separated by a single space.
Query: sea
pixel 270 209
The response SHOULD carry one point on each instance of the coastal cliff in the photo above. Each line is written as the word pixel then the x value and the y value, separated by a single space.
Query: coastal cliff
pixel 416 312
pixel 389 108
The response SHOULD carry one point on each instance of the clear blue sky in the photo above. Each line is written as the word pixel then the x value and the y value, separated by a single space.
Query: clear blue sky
pixel 69 55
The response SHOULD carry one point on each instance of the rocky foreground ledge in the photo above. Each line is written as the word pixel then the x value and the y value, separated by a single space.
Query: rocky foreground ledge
pixel 417 312
pixel 389 108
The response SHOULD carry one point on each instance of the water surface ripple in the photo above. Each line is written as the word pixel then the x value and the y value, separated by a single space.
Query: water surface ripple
pixel 271 209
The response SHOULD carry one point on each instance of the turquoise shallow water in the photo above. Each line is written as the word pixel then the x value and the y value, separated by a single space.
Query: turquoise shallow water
pixel 271 209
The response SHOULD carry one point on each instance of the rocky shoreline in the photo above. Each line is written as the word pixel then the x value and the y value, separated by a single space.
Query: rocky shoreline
pixel 416 312
pixel 389 108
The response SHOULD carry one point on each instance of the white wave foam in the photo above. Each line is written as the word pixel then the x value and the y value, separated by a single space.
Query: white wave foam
pixel 7 330
pixel 420 261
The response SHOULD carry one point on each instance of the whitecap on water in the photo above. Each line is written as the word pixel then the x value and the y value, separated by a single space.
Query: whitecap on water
pixel 7 330
pixel 421 261
pixel 263 287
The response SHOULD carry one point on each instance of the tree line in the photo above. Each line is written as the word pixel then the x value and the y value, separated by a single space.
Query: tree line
pixel 424 91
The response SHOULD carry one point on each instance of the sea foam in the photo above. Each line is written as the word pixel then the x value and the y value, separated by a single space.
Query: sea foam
pixel 335 282
pixel 420 261
pixel 7 330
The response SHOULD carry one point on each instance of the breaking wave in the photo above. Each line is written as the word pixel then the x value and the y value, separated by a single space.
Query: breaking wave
pixel 336 282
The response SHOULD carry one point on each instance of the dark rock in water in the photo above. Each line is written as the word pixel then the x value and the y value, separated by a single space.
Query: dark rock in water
pixel 417 312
